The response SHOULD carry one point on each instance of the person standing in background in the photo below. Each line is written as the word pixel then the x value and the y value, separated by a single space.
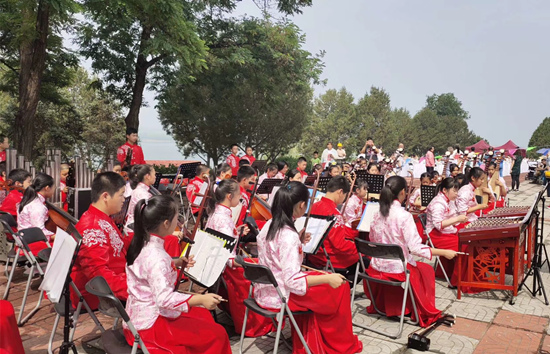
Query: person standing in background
pixel 430 160
pixel 130 153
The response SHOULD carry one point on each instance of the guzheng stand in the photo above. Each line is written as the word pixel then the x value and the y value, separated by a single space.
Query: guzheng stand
pixel 537 262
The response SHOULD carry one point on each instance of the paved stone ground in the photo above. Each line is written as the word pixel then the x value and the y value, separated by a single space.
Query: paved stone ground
pixel 486 322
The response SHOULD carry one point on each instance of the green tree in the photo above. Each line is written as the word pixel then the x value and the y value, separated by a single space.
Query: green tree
pixel 333 120
pixel 31 47
pixel 446 104
pixel 256 91
pixel 135 43
pixel 541 135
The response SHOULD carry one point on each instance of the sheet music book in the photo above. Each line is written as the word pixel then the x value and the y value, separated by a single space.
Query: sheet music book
pixel 319 227
pixel 272 195
pixel 202 190
pixel 368 215
pixel 236 212
pixel 210 256
pixel 230 241
pixel 59 265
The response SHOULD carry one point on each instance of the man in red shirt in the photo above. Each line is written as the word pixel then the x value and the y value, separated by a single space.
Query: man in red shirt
pixel 20 179
pixel 249 155
pixel 245 177
pixel 195 185
pixel 233 160
pixel 301 167
pixel 343 253
pixel 130 145
pixel 102 250
pixel 4 145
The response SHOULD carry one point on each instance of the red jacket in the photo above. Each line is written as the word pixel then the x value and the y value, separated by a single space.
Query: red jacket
pixel 192 188
pixel 233 161
pixel 9 205
pixel 137 154
pixel 3 156
pixel 250 159
pixel 245 201
pixel 101 253
pixel 342 251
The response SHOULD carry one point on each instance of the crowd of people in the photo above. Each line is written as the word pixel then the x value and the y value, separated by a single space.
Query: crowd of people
pixel 140 262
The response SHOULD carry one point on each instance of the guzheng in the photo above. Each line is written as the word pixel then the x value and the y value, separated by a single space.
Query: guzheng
pixel 496 247
pixel 509 211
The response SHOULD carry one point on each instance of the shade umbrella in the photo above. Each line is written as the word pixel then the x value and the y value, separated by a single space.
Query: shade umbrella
pixel 543 151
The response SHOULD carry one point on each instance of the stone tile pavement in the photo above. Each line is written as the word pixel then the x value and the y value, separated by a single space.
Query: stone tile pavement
pixel 486 322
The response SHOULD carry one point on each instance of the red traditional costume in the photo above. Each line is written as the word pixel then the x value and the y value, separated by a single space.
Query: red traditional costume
pixel 249 158
pixel 142 191
pixel 9 205
pixel 137 154
pixel 328 329
pixel 192 189
pixel 62 186
pixel 2 155
pixel 35 214
pixel 163 318
pixel 237 286
pixel 341 250
pixel 233 161
pixel 102 253
pixel 398 228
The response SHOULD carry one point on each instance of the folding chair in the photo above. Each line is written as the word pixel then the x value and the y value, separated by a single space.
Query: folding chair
pixel 260 274
pixel 60 311
pixel 22 241
pixel 7 223
pixel 113 340
pixel 383 251
pixel 429 242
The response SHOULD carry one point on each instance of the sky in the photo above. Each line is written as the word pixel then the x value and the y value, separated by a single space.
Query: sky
pixel 494 55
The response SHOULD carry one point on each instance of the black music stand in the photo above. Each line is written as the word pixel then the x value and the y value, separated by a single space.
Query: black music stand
pixel 267 185
pixel 537 262
pixel 361 175
pixel 188 170
pixel 158 177
pixel 427 193
pixel 322 185
pixel 375 182
pixel 259 165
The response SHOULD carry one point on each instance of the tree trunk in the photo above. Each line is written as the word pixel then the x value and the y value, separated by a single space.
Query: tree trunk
pixel 32 54
pixel 132 119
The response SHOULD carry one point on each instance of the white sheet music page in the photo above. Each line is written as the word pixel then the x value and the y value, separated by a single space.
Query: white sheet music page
pixel 210 258
pixel 368 214
pixel 316 227
pixel 202 190
pixel 63 249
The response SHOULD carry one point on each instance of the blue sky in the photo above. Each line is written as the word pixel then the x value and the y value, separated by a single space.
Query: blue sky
pixel 493 55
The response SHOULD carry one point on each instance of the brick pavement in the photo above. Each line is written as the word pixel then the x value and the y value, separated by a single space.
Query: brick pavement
pixel 486 322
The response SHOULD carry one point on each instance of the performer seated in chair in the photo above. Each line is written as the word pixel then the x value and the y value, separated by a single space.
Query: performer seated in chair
pixel 293 175
pixel 65 169
pixel 102 250
pixel 223 172
pixel 194 186
pixel 342 251
pixel 33 212
pixel 270 172
pixel 355 207
pixel 167 321
pixel 394 225
pixel 466 201
pixel 328 329
pixel 245 178
pixel 415 203
pixel 301 167
pixel 143 179
pixel 501 185
pixel 441 222
pixel 282 169
pixel 228 196
pixel 19 180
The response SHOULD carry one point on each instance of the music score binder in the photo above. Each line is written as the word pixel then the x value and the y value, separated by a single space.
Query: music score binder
pixel 368 214
pixel 319 226
pixel 210 255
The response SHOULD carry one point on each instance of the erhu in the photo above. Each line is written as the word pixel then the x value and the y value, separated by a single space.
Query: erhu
pixel 353 177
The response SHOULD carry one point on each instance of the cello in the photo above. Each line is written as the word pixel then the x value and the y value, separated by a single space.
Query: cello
pixel 58 218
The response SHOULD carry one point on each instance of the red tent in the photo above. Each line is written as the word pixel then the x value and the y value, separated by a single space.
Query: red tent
pixel 510 145
pixel 480 146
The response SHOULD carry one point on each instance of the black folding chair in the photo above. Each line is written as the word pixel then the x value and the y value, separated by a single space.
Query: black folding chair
pixel 423 218
pixel 259 274
pixel 7 223
pixel 113 340
pixel 22 241
pixel 383 251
